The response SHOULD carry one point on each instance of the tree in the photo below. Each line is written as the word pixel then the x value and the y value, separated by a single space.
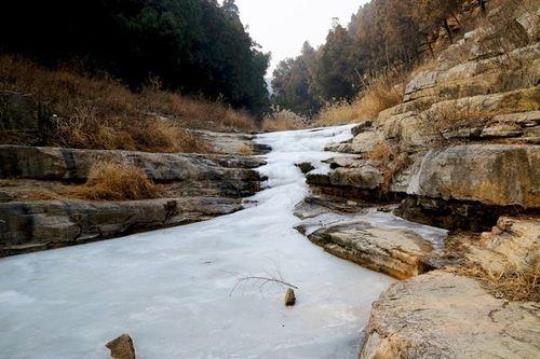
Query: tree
pixel 334 71
pixel 292 83
pixel 195 46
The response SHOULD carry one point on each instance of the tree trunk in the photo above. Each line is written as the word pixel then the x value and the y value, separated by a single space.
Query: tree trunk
pixel 482 6
pixel 448 30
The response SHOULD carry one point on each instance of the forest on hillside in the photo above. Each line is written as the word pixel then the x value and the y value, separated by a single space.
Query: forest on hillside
pixel 383 36
pixel 197 47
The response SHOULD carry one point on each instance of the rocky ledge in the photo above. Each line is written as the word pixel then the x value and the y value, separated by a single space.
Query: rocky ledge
pixel 39 225
pixel 39 208
pixel 443 315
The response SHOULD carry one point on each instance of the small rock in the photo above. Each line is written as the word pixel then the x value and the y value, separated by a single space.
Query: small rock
pixel 122 347
pixel 290 298
pixel 305 167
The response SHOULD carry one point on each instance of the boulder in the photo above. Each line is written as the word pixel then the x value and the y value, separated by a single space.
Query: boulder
pixel 493 174
pixel 442 315
pixel 395 251
pixel 122 347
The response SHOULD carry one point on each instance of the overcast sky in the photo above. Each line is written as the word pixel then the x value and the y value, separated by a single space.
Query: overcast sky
pixel 282 26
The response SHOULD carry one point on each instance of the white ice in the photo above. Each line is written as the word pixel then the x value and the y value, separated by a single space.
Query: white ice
pixel 171 289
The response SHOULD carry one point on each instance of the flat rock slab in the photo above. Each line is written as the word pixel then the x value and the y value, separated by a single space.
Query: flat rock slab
pixel 442 315
pixel 30 226
pixel 398 252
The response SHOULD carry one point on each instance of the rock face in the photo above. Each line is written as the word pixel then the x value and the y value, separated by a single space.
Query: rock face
pixel 30 226
pixel 492 174
pixel 122 347
pixel 397 252
pixel 442 315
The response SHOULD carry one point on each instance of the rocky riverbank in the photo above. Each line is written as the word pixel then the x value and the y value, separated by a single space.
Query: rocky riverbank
pixel 462 152
pixel 39 207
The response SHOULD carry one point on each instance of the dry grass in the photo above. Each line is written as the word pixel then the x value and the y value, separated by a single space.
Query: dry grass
pixel 245 150
pixel 390 160
pixel 101 113
pixel 116 181
pixel 381 93
pixel 446 118
pixel 283 120
pixel 512 285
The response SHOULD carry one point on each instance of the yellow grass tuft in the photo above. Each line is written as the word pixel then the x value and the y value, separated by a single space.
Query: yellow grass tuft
pixel 381 93
pixel 115 182
pixel 283 120
pixel 512 285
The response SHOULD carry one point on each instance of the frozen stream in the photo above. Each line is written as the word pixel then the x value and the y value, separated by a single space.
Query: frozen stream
pixel 170 289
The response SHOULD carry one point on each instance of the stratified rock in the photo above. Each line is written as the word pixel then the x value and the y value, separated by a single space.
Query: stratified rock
pixel 50 163
pixel 442 315
pixel 25 226
pixel 290 298
pixel 394 251
pixel 501 175
pixel 122 347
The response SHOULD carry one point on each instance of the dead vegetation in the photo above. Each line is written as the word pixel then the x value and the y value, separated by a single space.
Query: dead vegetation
pixel 117 181
pixel 282 120
pixel 101 113
pixel 381 93
pixel 511 285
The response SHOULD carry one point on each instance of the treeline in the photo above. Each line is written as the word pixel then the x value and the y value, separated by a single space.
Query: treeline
pixel 383 35
pixel 198 47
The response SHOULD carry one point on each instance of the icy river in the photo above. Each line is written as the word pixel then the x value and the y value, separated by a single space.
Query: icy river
pixel 172 290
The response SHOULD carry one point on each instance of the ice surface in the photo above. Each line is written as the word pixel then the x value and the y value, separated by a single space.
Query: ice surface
pixel 170 289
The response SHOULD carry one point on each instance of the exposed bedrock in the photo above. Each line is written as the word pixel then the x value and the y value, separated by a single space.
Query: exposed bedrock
pixel 29 226
pixel 500 175
pixel 51 163
pixel 442 315
pixel 395 251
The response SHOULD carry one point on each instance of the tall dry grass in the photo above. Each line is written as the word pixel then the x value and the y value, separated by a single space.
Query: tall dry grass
pixel 381 93
pixel 283 120
pixel 101 113
pixel 115 182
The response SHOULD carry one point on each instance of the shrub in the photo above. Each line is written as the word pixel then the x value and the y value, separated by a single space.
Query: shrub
pixel 380 94
pixel 117 181
pixel 282 121
pixel 101 113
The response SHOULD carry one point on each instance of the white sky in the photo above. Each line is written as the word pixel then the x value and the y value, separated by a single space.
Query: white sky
pixel 282 26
